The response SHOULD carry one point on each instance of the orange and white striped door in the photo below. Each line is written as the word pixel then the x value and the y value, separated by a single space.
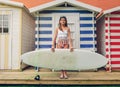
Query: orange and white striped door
pixel 5 39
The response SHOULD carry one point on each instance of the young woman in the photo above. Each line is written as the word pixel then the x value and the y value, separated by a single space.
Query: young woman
pixel 62 40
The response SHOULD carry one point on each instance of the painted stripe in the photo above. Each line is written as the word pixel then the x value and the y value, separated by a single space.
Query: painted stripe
pixel 114 46
pixel 86 25
pixel 86 18
pixel 86 22
pixel 115 62
pixel 114 34
pixel 113 18
pixel 86 28
pixel 44 22
pixel 113 49
pixel 45 39
pixel 115 59
pixel 86 32
pixel 45 46
pixel 45 32
pixel 114 31
pixel 45 25
pixel 86 39
pixel 86 42
pixel 45 42
pixel 87 35
pixel 86 46
pixel 114 38
pixel 91 49
pixel 45 18
pixel 113 28
pixel 115 21
pixel 115 25
pixel 115 56
pixel 115 66
pixel 45 29
pixel 45 35
pixel 113 43
pixel 66 11
pixel 114 53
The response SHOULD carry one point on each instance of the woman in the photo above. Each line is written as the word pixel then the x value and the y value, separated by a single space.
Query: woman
pixel 63 38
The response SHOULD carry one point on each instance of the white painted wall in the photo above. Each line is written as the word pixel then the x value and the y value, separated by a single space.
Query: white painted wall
pixel 16 43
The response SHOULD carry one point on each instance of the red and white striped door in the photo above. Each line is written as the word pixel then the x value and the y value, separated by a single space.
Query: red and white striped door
pixel 112 26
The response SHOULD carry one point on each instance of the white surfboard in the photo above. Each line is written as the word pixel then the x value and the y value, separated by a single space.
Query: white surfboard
pixel 63 59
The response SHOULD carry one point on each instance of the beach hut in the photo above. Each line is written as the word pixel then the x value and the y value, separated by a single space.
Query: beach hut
pixel 16 33
pixel 112 38
pixel 81 20
pixel 108 33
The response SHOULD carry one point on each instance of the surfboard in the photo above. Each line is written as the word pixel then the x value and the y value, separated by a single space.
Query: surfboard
pixel 63 59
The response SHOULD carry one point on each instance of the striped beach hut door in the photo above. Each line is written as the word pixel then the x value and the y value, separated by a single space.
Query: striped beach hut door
pixel 73 24
pixel 5 40
pixel 112 26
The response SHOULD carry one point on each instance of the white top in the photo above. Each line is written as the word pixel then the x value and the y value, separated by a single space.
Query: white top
pixel 62 37
pixel 62 34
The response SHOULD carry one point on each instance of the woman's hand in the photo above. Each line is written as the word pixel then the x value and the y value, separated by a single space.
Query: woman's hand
pixel 71 49
pixel 53 49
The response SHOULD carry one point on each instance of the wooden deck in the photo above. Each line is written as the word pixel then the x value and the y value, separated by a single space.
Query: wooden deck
pixel 48 77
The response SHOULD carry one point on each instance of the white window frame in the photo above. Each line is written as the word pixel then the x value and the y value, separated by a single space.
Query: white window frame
pixel 2 21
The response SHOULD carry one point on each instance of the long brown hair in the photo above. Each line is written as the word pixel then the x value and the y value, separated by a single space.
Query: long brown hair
pixel 66 25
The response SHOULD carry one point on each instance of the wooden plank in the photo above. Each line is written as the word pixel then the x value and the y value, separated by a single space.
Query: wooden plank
pixel 53 78
pixel 68 82
pixel 48 77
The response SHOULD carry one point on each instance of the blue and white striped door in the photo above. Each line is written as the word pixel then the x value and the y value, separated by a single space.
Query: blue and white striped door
pixel 81 22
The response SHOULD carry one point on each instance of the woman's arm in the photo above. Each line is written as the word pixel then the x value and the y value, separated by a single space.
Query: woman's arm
pixel 70 40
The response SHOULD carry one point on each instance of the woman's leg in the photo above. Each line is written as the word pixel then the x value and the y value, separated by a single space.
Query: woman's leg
pixel 59 46
pixel 66 46
pixel 63 72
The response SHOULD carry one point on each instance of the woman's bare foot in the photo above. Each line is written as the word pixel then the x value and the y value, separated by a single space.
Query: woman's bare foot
pixel 65 75
pixel 62 75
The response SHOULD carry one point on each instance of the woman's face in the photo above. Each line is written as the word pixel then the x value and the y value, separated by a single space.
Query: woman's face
pixel 62 21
